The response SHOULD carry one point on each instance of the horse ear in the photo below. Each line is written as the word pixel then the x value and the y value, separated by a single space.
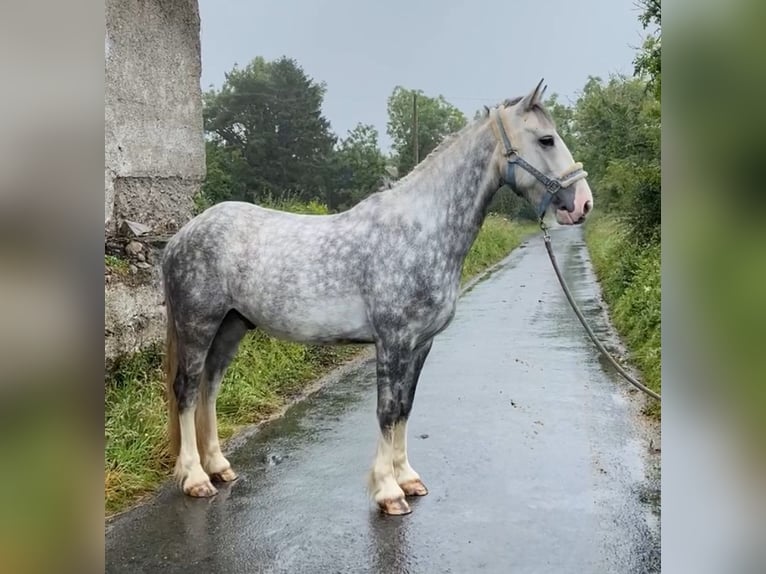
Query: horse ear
pixel 532 98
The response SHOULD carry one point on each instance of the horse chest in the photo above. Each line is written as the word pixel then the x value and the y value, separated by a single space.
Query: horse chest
pixel 432 314
pixel 443 315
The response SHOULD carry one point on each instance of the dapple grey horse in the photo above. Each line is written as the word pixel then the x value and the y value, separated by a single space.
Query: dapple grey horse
pixel 387 272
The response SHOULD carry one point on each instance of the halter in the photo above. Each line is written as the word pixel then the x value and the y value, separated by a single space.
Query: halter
pixel 552 184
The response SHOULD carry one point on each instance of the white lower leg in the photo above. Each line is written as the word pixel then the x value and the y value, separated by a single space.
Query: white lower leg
pixel 383 485
pixel 213 460
pixel 194 480
pixel 403 472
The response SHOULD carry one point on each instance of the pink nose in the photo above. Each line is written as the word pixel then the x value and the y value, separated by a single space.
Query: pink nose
pixel 583 203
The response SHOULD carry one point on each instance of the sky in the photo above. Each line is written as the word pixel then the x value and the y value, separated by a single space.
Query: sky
pixel 471 53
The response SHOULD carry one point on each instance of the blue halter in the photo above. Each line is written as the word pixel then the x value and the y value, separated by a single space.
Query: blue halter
pixel 552 185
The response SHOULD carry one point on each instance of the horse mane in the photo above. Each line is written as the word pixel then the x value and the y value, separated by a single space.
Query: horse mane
pixel 453 137
pixel 441 147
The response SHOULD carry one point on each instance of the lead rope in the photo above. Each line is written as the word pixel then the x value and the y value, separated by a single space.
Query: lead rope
pixel 580 316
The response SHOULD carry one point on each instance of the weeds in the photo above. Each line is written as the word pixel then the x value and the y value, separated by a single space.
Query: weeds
pixel 116 265
pixel 629 274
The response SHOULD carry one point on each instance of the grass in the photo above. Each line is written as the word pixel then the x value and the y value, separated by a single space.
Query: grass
pixel 116 265
pixel 265 374
pixel 629 275
pixel 497 237
pixel 263 377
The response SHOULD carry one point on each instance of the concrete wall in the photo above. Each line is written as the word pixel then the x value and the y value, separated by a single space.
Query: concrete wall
pixel 134 315
pixel 154 154
pixel 154 147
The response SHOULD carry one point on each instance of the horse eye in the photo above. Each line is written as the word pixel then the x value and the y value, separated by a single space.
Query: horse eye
pixel 546 141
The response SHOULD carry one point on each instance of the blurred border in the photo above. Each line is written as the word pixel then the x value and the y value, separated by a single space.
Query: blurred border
pixel 714 287
pixel 51 391
pixel 714 281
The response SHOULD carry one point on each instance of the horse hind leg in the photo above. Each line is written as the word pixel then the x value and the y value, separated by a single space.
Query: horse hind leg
pixel 221 353
pixel 191 476
pixel 190 345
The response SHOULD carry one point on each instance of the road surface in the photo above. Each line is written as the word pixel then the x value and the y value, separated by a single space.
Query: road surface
pixel 533 450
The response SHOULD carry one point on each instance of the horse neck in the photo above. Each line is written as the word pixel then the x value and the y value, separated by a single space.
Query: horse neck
pixel 451 190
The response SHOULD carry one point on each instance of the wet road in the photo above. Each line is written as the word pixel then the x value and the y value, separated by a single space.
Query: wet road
pixel 532 448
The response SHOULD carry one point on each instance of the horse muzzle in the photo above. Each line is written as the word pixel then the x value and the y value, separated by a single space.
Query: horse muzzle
pixel 574 209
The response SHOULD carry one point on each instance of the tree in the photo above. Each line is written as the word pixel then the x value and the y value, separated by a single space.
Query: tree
pixel 226 171
pixel 359 167
pixel 267 133
pixel 617 129
pixel 649 60
pixel 437 118
pixel 563 115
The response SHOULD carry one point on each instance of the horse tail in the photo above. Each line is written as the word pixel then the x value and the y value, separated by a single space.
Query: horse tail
pixel 171 370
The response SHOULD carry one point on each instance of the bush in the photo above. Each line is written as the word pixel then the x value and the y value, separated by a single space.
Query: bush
pixel 629 274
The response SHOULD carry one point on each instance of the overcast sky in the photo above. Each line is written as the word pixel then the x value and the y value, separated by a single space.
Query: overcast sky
pixel 472 53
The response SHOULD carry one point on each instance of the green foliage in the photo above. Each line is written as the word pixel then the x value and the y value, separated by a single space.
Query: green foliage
pixel 636 187
pixel 564 118
pixel 265 373
pixel 227 174
pixel 437 118
pixel 507 203
pixel 268 142
pixel 497 238
pixel 648 62
pixel 616 126
pixel 116 265
pixel 293 205
pixel 629 274
pixel 267 133
pixel 134 426
pixel 359 167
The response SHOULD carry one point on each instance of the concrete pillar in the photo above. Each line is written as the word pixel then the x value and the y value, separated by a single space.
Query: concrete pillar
pixel 154 155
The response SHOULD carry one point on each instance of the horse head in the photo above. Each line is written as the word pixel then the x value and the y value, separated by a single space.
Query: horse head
pixel 536 163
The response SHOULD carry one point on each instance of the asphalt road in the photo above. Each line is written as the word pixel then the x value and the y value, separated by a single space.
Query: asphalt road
pixel 534 452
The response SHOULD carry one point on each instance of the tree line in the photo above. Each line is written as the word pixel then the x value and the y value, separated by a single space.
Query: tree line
pixel 268 142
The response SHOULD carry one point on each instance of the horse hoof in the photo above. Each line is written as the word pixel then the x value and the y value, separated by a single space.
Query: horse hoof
pixel 414 488
pixel 395 507
pixel 227 475
pixel 201 490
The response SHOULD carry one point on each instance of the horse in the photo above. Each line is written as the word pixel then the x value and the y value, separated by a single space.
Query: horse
pixel 384 272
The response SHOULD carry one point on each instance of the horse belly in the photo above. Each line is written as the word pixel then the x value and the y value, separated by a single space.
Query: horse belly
pixel 321 320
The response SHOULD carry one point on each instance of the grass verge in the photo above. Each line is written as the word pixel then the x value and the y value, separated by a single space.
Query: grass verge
pixel 497 238
pixel 629 275
pixel 265 375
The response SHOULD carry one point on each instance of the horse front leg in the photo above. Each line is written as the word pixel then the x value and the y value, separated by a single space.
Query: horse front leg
pixel 406 477
pixel 393 363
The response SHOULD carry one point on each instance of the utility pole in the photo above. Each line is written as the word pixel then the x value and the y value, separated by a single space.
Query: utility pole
pixel 415 125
